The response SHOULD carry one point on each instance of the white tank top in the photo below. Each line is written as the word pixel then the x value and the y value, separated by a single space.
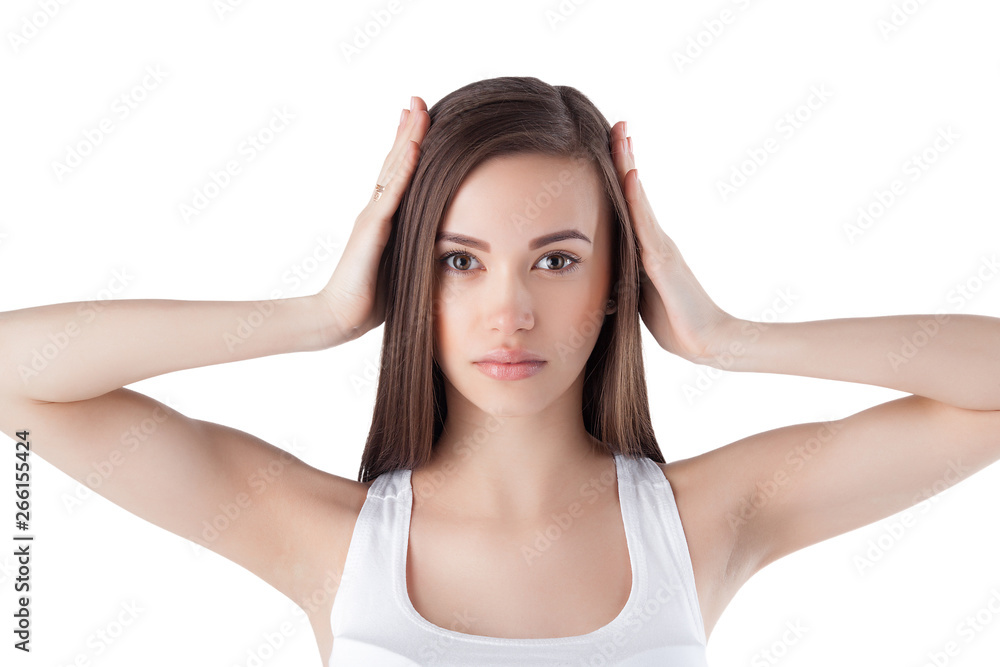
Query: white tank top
pixel 375 624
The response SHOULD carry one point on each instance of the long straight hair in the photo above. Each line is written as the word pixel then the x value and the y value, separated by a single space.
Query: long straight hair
pixel 483 120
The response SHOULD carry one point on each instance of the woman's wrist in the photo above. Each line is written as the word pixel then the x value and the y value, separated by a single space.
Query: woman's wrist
pixel 328 330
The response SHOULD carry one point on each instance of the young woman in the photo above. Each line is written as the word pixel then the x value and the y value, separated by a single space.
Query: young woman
pixel 512 505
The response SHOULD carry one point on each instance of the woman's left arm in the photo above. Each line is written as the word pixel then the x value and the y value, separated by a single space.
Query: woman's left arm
pixel 772 493
pixel 954 359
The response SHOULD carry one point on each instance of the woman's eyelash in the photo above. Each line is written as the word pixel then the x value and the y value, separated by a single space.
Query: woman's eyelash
pixel 576 261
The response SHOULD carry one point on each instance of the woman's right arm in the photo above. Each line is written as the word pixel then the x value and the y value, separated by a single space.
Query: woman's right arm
pixel 63 371
pixel 75 351
pixel 61 379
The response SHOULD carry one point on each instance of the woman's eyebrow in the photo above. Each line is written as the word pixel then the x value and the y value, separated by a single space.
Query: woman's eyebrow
pixel 533 245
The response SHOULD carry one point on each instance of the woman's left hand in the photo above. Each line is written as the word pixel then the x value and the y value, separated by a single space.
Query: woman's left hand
pixel 675 307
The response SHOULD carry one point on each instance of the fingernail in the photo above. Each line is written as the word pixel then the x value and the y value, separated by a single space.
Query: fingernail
pixel 402 115
pixel 413 103
pixel 625 126
pixel 630 145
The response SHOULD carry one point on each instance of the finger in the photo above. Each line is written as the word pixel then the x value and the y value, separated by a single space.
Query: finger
pixel 402 131
pixel 421 120
pixel 624 160
pixel 620 151
pixel 405 130
pixel 414 128
pixel 619 130
pixel 396 176
pixel 624 163
pixel 656 248
pixel 388 191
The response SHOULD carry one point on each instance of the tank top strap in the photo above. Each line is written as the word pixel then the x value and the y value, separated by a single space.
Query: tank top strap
pixel 367 580
pixel 669 569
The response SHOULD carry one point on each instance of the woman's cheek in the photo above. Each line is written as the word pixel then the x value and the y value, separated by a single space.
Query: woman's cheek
pixel 586 325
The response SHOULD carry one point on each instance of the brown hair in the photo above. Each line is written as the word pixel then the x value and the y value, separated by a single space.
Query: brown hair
pixel 485 119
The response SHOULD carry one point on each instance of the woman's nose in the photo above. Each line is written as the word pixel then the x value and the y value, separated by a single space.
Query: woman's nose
pixel 510 306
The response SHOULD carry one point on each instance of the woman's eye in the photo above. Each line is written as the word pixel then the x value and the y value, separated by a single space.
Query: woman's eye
pixel 561 262
pixel 463 261
pixel 557 262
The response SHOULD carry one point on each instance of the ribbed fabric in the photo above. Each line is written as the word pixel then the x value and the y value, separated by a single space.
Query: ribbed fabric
pixel 374 622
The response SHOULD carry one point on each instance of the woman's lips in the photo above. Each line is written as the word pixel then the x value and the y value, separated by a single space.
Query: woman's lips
pixel 517 371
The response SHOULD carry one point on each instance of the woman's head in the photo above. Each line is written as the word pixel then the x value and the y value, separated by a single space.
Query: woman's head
pixel 505 161
pixel 525 256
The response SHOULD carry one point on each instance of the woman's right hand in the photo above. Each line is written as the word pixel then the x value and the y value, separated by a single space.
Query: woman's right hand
pixel 353 302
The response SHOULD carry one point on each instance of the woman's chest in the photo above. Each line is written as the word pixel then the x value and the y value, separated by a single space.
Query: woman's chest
pixel 558 579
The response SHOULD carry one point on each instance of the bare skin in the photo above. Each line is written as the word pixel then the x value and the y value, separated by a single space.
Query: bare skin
pixel 831 477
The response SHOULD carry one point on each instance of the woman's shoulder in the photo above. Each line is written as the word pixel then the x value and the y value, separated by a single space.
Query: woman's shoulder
pixel 679 471
pixel 719 570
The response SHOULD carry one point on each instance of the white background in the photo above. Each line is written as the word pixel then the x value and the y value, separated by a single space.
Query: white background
pixel 63 240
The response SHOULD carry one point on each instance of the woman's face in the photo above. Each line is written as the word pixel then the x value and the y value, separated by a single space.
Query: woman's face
pixel 504 288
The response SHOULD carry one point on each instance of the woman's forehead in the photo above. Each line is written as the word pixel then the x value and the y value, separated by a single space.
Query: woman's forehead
pixel 524 196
